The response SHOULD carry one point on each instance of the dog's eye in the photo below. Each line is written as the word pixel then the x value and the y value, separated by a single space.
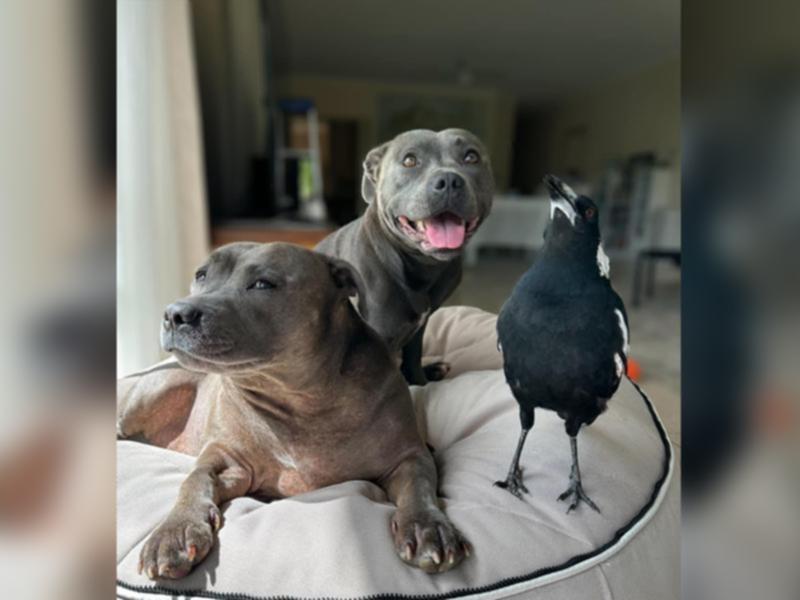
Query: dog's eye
pixel 471 157
pixel 261 284
pixel 409 160
pixel 200 275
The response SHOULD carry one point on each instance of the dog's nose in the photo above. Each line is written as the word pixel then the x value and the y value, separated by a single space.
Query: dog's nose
pixel 447 181
pixel 182 313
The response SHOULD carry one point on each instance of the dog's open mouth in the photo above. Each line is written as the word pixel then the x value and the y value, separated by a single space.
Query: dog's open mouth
pixel 445 231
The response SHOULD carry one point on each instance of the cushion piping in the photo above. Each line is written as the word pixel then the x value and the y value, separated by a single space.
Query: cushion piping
pixel 503 587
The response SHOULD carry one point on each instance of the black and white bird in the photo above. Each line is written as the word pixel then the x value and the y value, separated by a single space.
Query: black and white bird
pixel 563 332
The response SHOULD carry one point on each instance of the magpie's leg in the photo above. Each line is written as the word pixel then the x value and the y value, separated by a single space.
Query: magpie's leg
pixel 513 482
pixel 575 489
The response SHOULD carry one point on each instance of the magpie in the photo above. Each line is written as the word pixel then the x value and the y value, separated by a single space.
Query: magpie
pixel 563 332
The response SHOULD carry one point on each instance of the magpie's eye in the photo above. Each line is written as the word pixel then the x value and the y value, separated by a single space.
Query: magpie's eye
pixel 409 160
pixel 471 157
pixel 200 275
pixel 589 213
pixel 261 284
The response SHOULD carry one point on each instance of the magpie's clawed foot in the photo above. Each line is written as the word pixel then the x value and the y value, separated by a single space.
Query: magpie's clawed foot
pixel 575 491
pixel 513 483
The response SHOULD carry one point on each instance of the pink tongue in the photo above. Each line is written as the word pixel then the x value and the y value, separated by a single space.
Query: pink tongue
pixel 445 231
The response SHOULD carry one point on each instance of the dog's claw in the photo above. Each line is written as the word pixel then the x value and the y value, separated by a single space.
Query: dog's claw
pixel 408 552
pixel 429 541
pixel 178 544
pixel 215 518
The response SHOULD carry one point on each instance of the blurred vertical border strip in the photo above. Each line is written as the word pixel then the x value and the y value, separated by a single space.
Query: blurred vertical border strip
pixel 57 184
pixel 741 292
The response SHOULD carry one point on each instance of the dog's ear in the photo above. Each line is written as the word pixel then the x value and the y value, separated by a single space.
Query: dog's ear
pixel 372 165
pixel 347 278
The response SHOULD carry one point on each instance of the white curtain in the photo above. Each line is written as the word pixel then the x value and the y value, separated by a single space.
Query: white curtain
pixel 162 223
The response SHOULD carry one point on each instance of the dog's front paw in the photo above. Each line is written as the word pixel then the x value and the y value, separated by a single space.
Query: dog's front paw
pixel 179 543
pixel 436 371
pixel 428 540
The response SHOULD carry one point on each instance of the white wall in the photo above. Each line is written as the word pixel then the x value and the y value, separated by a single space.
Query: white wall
pixel 611 121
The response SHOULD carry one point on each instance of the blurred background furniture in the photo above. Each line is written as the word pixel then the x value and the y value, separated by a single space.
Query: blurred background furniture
pixel 306 234
pixel 515 222
pixel 644 220
pixel 661 242
pixel 303 153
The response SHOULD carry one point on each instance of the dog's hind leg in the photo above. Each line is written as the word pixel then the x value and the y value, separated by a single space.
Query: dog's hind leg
pixel 155 404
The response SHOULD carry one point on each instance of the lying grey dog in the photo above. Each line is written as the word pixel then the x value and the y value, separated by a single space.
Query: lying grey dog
pixel 284 389
pixel 427 193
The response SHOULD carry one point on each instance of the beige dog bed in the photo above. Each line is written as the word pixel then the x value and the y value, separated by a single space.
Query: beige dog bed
pixel 335 542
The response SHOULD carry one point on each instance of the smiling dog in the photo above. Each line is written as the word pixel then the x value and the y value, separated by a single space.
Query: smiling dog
pixel 427 193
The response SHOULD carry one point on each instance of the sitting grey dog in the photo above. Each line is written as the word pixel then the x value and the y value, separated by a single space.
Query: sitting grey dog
pixel 428 193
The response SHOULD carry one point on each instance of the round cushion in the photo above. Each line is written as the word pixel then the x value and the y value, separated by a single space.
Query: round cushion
pixel 335 542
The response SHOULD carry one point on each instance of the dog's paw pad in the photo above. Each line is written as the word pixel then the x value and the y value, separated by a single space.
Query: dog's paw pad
pixel 429 541
pixel 176 546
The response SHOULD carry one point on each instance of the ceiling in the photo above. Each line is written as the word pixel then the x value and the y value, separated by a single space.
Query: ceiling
pixel 538 49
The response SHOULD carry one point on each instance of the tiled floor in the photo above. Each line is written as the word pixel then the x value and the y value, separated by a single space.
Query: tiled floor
pixel 654 326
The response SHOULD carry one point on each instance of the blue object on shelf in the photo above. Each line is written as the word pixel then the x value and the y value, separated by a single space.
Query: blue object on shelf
pixel 296 105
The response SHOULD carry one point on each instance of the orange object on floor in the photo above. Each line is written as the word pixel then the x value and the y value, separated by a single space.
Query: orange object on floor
pixel 634 370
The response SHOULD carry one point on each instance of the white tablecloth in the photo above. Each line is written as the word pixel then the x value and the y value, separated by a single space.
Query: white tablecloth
pixel 515 222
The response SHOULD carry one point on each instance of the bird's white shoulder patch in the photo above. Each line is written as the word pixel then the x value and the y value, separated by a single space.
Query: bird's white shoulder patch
pixel 603 264
pixel 624 330
pixel 619 364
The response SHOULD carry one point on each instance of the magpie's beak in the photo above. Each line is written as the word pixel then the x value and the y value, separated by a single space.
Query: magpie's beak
pixel 562 198
pixel 560 191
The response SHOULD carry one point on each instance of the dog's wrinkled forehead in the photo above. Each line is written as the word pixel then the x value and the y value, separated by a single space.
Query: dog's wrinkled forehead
pixel 227 258
pixel 246 258
pixel 439 146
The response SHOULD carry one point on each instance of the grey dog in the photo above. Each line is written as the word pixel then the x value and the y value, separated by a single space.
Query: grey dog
pixel 284 389
pixel 427 193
